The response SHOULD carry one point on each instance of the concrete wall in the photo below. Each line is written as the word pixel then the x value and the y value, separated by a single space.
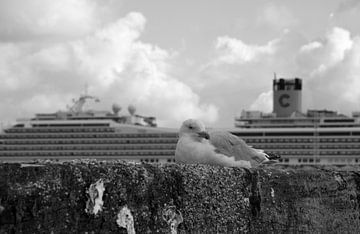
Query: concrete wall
pixel 94 197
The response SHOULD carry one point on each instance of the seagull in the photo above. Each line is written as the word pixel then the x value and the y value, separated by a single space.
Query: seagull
pixel 196 145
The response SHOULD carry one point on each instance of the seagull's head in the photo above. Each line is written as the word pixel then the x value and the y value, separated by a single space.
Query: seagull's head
pixel 193 128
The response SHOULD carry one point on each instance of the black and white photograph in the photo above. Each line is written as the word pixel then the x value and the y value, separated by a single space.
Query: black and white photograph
pixel 204 116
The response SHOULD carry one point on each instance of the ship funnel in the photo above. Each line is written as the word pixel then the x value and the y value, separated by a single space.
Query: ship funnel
pixel 286 96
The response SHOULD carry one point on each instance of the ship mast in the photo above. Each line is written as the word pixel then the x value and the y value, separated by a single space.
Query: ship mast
pixel 78 105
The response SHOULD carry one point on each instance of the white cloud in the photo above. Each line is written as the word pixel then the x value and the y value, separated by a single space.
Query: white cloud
pixel 338 43
pixel 264 102
pixel 310 47
pixel 334 69
pixel 235 51
pixel 326 54
pixel 113 61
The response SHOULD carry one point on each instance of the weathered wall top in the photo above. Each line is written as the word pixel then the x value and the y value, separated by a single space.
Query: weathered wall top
pixel 113 197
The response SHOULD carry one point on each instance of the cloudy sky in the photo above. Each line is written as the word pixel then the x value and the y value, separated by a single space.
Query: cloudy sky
pixel 177 59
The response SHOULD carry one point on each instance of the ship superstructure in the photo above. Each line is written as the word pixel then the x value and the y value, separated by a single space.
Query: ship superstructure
pixel 78 134
pixel 314 137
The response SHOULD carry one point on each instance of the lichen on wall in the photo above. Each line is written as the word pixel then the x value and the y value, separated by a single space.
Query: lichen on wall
pixel 95 193
pixel 171 198
pixel 126 220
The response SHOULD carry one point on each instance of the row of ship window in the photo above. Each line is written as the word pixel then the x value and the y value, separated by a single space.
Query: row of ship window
pixel 156 160
pixel 64 129
pixel 307 146
pixel 262 146
pixel 89 135
pixel 334 146
pixel 318 160
pixel 286 160
pixel 340 139
pixel 149 160
pixel 335 152
pixel 309 160
pixel 339 152
pixel 91 141
pixel 277 140
pixel 343 160
pixel 300 140
pixel 334 133
pixel 88 147
pixel 88 153
pixel 291 152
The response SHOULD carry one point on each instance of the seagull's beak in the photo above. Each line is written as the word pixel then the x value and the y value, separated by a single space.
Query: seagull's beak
pixel 204 134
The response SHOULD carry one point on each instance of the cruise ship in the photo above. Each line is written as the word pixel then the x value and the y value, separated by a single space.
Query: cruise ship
pixel 87 134
pixel 315 137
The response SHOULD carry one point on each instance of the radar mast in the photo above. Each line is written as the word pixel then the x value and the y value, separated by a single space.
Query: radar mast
pixel 78 105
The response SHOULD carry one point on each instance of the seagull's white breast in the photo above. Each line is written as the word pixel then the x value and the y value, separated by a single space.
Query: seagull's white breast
pixel 190 151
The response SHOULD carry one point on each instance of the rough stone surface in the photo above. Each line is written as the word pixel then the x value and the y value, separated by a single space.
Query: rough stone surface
pixel 52 198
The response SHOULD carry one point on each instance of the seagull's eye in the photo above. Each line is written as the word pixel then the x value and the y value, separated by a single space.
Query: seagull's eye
pixel 191 127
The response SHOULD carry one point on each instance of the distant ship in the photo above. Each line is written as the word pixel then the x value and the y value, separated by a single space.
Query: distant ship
pixel 87 134
pixel 315 137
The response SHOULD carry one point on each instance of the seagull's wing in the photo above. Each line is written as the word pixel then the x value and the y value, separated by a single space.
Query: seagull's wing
pixel 231 145
pixel 203 152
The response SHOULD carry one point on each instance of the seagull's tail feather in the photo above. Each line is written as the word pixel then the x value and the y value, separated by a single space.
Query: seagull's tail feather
pixel 257 155
pixel 273 156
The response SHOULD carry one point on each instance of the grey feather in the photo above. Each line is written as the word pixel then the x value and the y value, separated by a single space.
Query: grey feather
pixel 231 145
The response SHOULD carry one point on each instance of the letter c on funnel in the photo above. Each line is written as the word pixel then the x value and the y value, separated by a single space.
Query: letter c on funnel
pixel 282 100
